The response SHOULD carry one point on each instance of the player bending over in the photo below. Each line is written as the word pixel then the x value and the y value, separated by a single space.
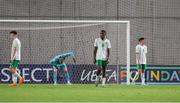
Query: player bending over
pixel 15 59
pixel 101 56
pixel 58 62
pixel 141 51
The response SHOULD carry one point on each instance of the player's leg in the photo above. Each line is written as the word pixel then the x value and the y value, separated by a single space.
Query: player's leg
pixel 104 65
pixel 137 73
pixel 98 72
pixel 14 79
pixel 143 74
pixel 55 75
pixel 15 75
pixel 66 74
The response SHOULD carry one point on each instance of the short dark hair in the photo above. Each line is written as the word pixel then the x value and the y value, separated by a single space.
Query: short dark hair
pixel 13 32
pixel 103 31
pixel 140 39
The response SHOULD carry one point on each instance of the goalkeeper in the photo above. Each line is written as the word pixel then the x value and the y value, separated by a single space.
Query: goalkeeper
pixel 58 62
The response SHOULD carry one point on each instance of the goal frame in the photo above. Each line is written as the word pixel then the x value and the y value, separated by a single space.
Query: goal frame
pixel 127 22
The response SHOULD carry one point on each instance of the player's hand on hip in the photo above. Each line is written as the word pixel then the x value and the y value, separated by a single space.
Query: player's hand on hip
pixel 12 58
pixel 107 60
pixel 94 61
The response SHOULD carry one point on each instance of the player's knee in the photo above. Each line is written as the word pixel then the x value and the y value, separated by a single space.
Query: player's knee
pixel 139 71
pixel 65 70
pixel 99 67
pixel 103 75
pixel 13 70
pixel 98 71
pixel 54 69
pixel 103 72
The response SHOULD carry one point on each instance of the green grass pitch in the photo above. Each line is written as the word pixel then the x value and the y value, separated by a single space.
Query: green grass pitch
pixel 89 93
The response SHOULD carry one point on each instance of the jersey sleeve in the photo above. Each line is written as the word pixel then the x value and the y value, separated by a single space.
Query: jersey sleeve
pixel 70 54
pixel 95 43
pixel 146 49
pixel 66 55
pixel 109 44
pixel 137 49
pixel 15 44
pixel 51 61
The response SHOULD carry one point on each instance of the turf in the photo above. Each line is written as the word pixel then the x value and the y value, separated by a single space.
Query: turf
pixel 90 93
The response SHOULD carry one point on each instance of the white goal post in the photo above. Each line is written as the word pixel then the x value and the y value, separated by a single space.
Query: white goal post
pixel 87 21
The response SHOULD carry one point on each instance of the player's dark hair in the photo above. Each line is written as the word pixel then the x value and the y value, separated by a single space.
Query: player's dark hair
pixel 13 32
pixel 103 31
pixel 140 39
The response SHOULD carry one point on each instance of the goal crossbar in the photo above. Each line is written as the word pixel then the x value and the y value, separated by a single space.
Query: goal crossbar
pixel 67 21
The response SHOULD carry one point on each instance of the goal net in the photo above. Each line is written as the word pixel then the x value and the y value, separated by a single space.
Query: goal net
pixel 43 39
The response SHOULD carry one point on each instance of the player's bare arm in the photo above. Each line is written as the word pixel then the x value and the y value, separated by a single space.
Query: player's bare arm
pixel 94 54
pixel 74 59
pixel 108 54
pixel 14 52
pixel 137 57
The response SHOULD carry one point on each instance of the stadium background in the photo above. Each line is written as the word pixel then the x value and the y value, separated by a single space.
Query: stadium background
pixel 156 20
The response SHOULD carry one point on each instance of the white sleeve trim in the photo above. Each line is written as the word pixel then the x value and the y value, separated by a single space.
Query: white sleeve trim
pixel 109 44
pixel 137 49
pixel 95 43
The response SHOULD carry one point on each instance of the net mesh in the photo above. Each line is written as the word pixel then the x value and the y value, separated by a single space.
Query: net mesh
pixel 156 20
pixel 41 40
